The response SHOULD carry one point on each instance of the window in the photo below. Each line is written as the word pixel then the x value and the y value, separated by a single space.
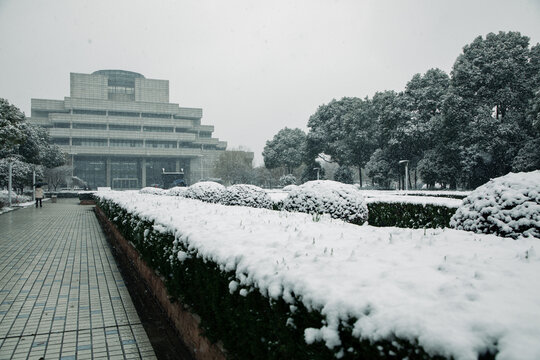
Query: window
pixel 161 144
pixel 204 134
pixel 126 143
pixel 88 142
pixel 123 113
pixel 61 125
pixel 159 116
pixel 124 127
pixel 60 141
pixel 90 126
pixel 158 128
pixel 88 112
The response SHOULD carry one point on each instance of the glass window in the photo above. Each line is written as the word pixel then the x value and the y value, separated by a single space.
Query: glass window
pixel 159 116
pixel 158 128
pixel 61 125
pixel 88 112
pixel 124 127
pixel 88 142
pixel 60 141
pixel 161 144
pixel 123 113
pixel 126 143
pixel 90 126
pixel 91 170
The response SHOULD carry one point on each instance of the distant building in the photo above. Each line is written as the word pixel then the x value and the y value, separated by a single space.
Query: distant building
pixel 121 131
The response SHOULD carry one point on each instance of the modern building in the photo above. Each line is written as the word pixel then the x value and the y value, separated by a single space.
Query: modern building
pixel 121 131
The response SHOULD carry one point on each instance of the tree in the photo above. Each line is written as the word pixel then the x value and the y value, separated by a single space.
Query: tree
pixel 285 150
pixel 343 129
pixel 11 127
pixel 344 174
pixel 492 86
pixel 378 169
pixel 56 176
pixel 234 167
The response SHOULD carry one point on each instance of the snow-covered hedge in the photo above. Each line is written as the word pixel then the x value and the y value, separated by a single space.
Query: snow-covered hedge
pixel 208 191
pixel 152 190
pixel 246 195
pixel 276 285
pixel 340 201
pixel 15 199
pixel 409 215
pixel 507 206
pixel 176 191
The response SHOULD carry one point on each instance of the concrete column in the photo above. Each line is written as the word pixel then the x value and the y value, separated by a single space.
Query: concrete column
pixel 109 181
pixel 177 165
pixel 143 168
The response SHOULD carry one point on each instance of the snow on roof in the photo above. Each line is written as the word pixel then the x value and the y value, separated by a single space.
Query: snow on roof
pixel 457 293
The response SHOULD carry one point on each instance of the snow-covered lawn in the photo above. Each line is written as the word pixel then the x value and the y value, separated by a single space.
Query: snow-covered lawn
pixel 457 293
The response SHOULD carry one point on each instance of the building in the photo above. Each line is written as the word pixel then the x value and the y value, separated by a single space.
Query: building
pixel 120 131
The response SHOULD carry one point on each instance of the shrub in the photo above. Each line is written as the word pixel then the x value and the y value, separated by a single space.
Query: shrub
pixel 339 200
pixel 208 191
pixel 288 179
pixel 507 206
pixel 409 215
pixel 248 323
pixel 246 195
pixel 176 191
pixel 152 190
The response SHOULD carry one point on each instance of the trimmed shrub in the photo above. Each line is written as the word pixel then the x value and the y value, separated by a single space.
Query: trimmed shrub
pixel 507 206
pixel 249 324
pixel 176 191
pixel 208 191
pixel 288 179
pixel 409 215
pixel 246 195
pixel 152 190
pixel 340 201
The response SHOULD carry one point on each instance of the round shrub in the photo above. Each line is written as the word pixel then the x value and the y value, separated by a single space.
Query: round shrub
pixel 152 190
pixel 247 195
pixel 208 191
pixel 340 201
pixel 288 179
pixel 176 191
pixel 508 206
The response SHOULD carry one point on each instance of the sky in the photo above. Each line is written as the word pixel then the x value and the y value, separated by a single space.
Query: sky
pixel 254 67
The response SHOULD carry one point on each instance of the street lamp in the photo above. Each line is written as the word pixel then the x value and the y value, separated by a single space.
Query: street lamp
pixel 406 162
pixel 318 169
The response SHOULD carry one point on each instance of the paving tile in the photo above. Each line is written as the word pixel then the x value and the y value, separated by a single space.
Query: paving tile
pixel 58 279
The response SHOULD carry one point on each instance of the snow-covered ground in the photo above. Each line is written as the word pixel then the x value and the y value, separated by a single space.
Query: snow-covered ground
pixel 456 292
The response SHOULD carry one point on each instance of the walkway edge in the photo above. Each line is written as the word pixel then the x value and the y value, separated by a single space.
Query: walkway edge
pixel 186 323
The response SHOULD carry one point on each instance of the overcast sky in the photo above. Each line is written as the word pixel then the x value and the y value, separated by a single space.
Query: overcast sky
pixel 254 67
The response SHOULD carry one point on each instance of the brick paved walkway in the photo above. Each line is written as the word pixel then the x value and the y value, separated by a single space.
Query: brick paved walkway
pixel 61 294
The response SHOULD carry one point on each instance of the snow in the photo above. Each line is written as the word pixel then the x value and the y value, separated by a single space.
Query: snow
pixel 508 205
pixel 208 191
pixel 246 195
pixel 455 292
pixel 422 200
pixel 340 201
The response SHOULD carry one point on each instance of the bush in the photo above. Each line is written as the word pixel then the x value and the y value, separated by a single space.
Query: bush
pixel 248 323
pixel 339 200
pixel 207 191
pixel 409 215
pixel 288 179
pixel 176 191
pixel 246 195
pixel 152 190
pixel 507 206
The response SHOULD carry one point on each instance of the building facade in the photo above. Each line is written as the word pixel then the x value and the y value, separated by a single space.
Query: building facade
pixel 120 131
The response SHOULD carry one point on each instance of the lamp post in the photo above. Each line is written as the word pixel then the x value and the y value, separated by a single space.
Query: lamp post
pixel 318 170
pixel 406 162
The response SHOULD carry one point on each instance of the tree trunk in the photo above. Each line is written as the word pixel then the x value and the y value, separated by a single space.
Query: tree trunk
pixel 360 175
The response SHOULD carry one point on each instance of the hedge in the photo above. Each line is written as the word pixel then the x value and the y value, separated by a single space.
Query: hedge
pixel 409 215
pixel 250 325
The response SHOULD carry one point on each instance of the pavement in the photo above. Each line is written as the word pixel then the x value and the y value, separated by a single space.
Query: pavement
pixel 61 293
